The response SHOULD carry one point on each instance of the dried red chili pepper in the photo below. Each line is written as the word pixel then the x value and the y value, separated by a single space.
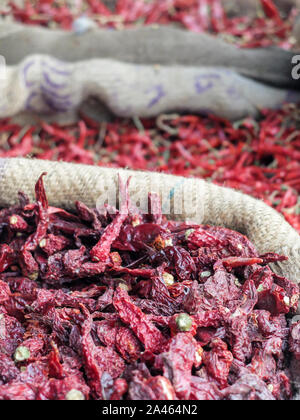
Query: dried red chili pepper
pixel 218 362
pixel 271 10
pixel 147 333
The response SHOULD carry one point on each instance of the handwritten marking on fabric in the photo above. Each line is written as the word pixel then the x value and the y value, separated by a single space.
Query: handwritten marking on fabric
pixel 54 85
pixel 55 95
pixel 205 82
pixel 182 196
pixel 48 81
pixel 62 72
pixel 26 69
pixel 159 94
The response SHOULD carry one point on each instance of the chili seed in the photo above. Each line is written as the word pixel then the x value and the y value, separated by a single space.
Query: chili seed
pixel 184 322
pixel 43 243
pixel 21 354
pixel 75 395
pixel 13 220
pixel 168 278
pixel 205 274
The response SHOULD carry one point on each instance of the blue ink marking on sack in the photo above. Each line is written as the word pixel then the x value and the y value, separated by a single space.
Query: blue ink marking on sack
pixel 58 107
pixel 160 93
pixel 172 194
pixel 51 83
pixel 61 72
pixel 203 82
pixel 172 191
pixel 47 92
pixel 26 69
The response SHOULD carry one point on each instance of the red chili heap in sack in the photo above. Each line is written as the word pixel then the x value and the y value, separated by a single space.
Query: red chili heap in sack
pixel 118 305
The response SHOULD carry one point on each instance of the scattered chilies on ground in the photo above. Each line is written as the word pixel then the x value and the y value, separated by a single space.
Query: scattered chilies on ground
pixel 260 158
pixel 95 305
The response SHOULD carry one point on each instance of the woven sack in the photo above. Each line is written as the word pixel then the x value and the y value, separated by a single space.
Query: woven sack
pixel 139 72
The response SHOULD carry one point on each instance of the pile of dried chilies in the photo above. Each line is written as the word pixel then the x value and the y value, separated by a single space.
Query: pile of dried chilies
pixel 119 305
pixel 260 158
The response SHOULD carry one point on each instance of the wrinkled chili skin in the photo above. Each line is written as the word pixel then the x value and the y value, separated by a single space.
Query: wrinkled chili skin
pixel 132 306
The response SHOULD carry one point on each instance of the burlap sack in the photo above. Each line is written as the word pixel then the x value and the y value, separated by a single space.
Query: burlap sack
pixel 147 45
pixel 182 198
pixel 44 85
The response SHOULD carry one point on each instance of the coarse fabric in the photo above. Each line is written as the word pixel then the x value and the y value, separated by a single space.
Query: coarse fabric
pixel 42 85
pixel 156 45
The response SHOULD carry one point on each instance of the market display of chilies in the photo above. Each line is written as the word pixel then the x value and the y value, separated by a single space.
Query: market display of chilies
pixel 261 158
pixel 120 305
